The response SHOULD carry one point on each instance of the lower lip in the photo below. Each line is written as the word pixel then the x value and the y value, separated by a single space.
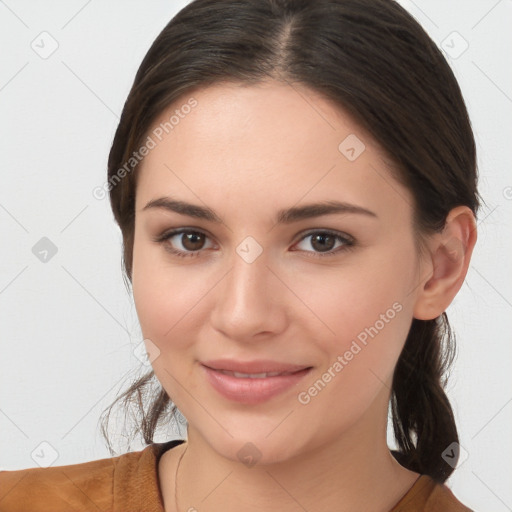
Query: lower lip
pixel 252 391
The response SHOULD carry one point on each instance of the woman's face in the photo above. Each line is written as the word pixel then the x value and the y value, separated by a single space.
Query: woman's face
pixel 254 277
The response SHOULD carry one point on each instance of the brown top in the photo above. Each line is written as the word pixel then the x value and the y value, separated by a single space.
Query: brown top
pixel 129 483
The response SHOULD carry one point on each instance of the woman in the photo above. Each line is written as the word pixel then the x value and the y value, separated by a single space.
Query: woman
pixel 295 182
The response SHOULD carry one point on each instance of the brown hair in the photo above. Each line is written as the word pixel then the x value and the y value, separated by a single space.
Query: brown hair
pixel 376 62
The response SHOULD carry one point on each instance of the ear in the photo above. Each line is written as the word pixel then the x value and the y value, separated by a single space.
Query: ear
pixel 449 256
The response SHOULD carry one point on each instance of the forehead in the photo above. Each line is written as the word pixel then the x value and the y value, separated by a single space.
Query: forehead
pixel 269 143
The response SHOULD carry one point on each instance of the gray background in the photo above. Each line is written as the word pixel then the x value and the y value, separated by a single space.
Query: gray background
pixel 69 333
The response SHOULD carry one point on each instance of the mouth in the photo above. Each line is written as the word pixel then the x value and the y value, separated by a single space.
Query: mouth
pixel 252 382
pixel 254 367
pixel 264 375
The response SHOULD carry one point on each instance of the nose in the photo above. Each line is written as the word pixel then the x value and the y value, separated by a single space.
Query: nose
pixel 250 301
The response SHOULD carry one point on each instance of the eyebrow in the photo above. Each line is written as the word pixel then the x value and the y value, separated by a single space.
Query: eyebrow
pixel 285 216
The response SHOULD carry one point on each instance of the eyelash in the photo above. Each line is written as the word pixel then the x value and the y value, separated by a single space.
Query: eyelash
pixel 349 242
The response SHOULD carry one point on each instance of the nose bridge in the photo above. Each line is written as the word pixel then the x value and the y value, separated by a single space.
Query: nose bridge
pixel 247 303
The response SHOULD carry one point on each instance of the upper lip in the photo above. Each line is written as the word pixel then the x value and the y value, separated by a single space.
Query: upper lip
pixel 255 366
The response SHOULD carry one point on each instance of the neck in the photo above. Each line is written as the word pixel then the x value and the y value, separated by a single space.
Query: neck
pixel 356 471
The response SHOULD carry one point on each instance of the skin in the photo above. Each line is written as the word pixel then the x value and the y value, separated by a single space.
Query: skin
pixel 247 152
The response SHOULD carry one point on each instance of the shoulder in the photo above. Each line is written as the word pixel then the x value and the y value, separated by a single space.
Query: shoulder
pixel 442 498
pixel 59 487
pixel 86 486
pixel 426 495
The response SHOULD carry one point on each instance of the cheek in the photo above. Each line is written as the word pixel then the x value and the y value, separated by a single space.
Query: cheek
pixel 366 298
pixel 369 312
pixel 166 298
pixel 370 316
pixel 155 292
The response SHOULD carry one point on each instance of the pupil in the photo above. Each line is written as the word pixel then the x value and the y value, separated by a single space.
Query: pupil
pixel 323 246
pixel 191 240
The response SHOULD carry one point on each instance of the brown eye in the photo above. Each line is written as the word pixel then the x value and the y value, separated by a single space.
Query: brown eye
pixel 184 242
pixel 323 242
pixel 192 241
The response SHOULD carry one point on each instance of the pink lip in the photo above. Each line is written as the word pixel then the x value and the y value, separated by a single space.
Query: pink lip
pixel 252 390
pixel 255 366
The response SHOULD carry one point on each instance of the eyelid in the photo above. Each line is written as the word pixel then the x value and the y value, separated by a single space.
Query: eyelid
pixel 170 233
pixel 328 231
pixel 349 241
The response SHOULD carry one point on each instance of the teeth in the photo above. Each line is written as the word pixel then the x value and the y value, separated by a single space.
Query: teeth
pixel 252 375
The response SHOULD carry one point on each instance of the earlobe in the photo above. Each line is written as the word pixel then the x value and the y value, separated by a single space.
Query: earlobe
pixel 450 253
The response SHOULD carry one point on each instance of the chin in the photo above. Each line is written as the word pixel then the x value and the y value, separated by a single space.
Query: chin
pixel 253 446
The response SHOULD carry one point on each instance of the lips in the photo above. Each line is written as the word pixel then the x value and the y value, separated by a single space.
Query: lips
pixel 263 375
pixel 252 382
pixel 254 367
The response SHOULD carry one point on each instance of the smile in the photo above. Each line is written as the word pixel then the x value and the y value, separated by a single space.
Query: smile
pixel 253 375
pixel 253 387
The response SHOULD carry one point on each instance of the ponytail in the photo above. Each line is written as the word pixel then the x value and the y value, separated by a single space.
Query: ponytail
pixel 423 420
pixel 149 407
